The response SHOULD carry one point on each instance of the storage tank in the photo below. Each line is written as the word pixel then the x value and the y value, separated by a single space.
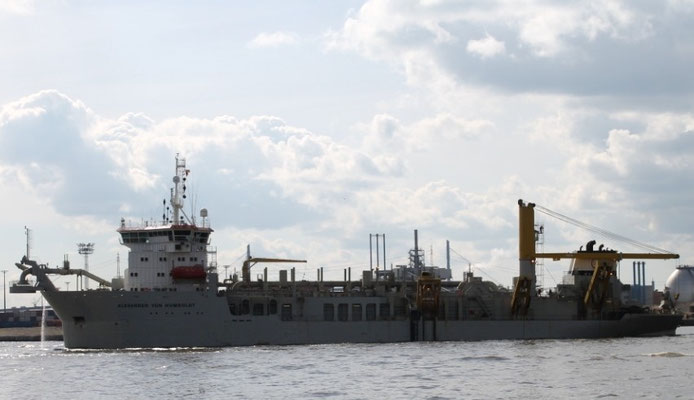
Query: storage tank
pixel 681 286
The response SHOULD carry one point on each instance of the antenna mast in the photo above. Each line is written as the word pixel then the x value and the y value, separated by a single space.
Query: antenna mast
pixel 178 193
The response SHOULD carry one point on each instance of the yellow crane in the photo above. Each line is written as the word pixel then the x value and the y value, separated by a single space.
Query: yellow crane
pixel 602 261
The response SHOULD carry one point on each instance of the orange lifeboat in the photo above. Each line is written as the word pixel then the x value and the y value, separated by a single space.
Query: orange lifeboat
pixel 194 272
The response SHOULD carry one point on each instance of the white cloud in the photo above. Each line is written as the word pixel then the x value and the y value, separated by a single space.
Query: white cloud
pixel 449 127
pixel 17 7
pixel 386 134
pixel 575 48
pixel 487 47
pixel 273 39
pixel 287 187
pixel 293 192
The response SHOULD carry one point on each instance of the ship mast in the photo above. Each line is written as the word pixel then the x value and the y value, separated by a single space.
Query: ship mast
pixel 178 192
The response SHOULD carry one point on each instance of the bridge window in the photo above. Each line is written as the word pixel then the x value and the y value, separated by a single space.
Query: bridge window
pixel 201 237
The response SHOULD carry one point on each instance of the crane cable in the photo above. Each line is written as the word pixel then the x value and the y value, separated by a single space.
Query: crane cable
pixel 477 268
pixel 600 231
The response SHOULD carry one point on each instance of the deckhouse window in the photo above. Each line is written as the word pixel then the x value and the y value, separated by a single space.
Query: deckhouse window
pixel 384 311
pixel 342 312
pixel 371 311
pixel 452 310
pixel 329 312
pixel 245 307
pixel 356 312
pixel 286 312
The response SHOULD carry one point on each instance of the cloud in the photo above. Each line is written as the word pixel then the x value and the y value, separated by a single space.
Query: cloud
pixel 655 160
pixel 44 137
pixel 274 177
pixel 17 7
pixel 487 47
pixel 387 134
pixel 292 191
pixel 98 166
pixel 273 39
pixel 610 48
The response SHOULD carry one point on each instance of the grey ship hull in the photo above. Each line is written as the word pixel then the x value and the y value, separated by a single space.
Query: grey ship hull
pixel 118 319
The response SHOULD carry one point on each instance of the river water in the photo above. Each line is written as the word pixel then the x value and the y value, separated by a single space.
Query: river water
pixel 626 368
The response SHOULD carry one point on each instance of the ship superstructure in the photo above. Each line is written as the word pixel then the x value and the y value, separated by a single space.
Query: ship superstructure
pixel 171 296
pixel 171 255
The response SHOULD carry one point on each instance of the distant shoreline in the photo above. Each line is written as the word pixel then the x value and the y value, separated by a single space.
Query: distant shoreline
pixel 30 334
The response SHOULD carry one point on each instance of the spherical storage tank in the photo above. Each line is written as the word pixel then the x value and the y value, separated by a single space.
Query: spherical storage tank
pixel 681 282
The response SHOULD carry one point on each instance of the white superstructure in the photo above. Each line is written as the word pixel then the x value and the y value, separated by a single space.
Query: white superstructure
pixel 170 255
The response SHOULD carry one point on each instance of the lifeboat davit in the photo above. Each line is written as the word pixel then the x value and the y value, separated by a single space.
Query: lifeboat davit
pixel 194 272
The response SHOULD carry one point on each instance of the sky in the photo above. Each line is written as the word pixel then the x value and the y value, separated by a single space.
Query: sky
pixel 309 125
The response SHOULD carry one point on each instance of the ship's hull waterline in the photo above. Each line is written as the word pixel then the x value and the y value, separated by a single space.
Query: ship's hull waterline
pixel 113 320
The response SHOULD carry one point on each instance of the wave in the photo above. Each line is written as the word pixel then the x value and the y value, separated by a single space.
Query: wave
pixel 668 354
pixel 484 358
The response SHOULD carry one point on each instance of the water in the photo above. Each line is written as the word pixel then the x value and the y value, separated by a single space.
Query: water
pixel 544 369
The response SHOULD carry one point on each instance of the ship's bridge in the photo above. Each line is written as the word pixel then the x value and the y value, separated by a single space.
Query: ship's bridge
pixel 165 234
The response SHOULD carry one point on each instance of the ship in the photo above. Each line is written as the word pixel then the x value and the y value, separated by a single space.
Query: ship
pixel 171 296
